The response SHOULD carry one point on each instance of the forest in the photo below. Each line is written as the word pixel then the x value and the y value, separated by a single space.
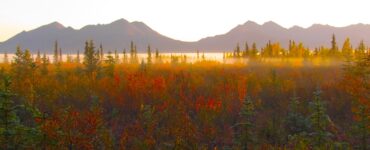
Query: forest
pixel 267 98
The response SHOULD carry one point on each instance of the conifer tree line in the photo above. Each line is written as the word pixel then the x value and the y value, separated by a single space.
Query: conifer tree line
pixel 297 49
pixel 270 50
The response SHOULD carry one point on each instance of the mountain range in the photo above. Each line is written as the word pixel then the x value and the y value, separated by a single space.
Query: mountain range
pixel 119 34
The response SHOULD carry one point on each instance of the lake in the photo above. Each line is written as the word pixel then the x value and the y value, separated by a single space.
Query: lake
pixel 190 57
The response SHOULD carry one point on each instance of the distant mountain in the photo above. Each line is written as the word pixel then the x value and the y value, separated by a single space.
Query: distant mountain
pixel 118 34
pixel 314 36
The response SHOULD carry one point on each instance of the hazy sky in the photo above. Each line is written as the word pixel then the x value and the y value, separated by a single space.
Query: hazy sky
pixel 187 20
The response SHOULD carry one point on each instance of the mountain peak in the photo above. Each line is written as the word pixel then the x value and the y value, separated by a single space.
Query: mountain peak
pixel 120 21
pixel 249 22
pixel 271 24
pixel 55 25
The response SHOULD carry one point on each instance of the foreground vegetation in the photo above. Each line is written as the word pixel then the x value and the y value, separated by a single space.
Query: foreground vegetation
pixel 107 102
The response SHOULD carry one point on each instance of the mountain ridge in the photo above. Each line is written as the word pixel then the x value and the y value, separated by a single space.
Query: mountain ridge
pixel 119 33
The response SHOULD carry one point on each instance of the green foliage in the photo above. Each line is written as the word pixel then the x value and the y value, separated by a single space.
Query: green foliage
pixel 91 59
pixel 44 65
pixel 296 122
pixel 361 49
pixel 361 130
pixel 347 51
pixel 13 134
pixel 56 54
pixel 297 125
pixel 110 61
pixel 6 59
pixel 334 47
pixel 133 53
pixel 319 121
pixel 149 56
pixel 245 138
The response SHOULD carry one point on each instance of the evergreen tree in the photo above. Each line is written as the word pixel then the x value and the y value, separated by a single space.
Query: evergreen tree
pixel 254 50
pixel 6 59
pixel 60 56
pixel 149 57
pixel 319 121
pixel 78 60
pixel 44 64
pixel 9 118
pixel 124 56
pixel 246 49
pixel 13 134
pixel 296 124
pixel 361 128
pixel 18 61
pixel 110 61
pixel 116 56
pixel 101 51
pixel 133 53
pixel 334 47
pixel 55 52
pixel 360 51
pixel 245 138
pixel 237 50
pixel 91 61
pixel 22 65
pixel 38 58
pixel 347 49
pixel 290 47
pixel 156 53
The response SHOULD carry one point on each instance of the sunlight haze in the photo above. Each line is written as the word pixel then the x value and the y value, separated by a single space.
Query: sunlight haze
pixel 188 20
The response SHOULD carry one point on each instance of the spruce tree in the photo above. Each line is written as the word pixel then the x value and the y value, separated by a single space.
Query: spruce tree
pixel 101 51
pixel 9 118
pixel 297 125
pixel 360 51
pixel 149 57
pixel 6 59
pixel 124 56
pixel 254 50
pixel 246 49
pixel 38 58
pixel 347 49
pixel 78 60
pixel 110 61
pixel 245 138
pixel 334 47
pixel 13 135
pixel 237 50
pixel 91 61
pixel 361 129
pixel 156 53
pixel 55 52
pixel 116 56
pixel 44 64
pixel 60 56
pixel 319 121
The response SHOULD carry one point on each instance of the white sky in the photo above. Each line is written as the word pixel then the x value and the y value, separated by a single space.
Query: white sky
pixel 187 20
